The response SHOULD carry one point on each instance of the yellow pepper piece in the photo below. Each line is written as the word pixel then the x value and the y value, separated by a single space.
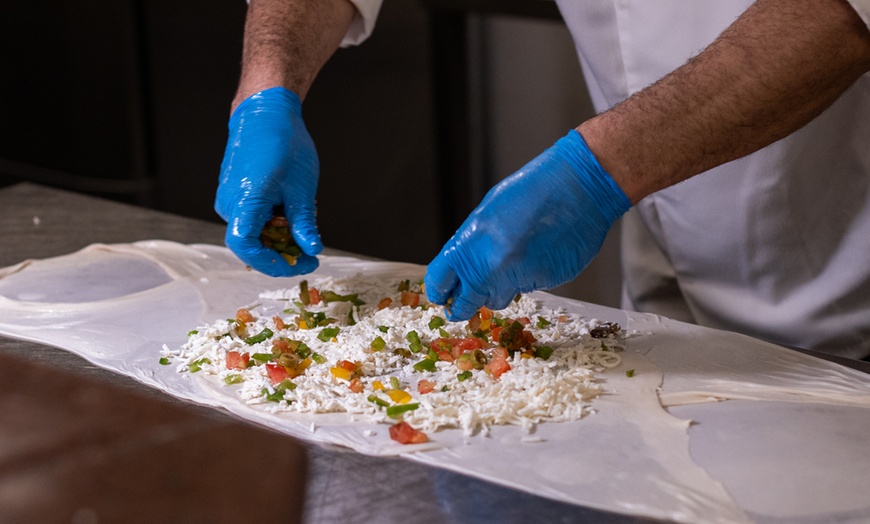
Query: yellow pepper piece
pixel 377 384
pixel 340 372
pixel 299 369
pixel 398 396
pixel 289 258
pixel 303 324
pixel 526 355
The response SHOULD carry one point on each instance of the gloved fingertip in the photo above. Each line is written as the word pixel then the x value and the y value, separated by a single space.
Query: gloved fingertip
pixel 440 280
pixel 304 264
pixel 463 304
pixel 500 302
pixel 458 309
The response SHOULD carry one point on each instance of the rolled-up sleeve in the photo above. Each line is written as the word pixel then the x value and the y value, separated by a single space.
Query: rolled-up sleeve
pixel 862 7
pixel 364 21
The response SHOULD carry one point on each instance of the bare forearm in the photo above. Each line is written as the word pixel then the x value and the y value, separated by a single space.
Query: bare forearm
pixel 287 42
pixel 775 69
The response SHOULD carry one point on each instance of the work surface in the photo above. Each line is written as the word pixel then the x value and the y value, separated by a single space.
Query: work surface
pixel 676 390
pixel 340 486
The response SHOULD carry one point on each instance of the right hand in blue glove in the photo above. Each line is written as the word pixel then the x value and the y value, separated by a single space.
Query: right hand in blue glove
pixel 536 229
pixel 269 162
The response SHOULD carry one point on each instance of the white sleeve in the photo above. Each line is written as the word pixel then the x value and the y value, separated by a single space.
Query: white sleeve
pixel 364 21
pixel 862 7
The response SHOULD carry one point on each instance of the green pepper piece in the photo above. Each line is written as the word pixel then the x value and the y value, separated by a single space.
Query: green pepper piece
pixel 436 322
pixel 426 364
pixel 318 358
pixel 378 344
pixel 163 361
pixel 543 352
pixel 398 410
pixel 416 346
pixel 262 336
pixel 542 323
pixel 379 401
pixel 465 375
pixel 332 296
pixel 327 334
pixel 234 378
pixel 304 297
pixel 197 364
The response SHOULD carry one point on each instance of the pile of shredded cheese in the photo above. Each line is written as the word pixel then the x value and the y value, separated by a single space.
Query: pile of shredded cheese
pixel 533 390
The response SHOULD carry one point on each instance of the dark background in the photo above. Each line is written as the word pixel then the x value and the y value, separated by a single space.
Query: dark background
pixel 129 100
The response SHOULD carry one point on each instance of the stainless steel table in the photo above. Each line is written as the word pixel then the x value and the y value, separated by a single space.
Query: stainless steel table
pixel 339 486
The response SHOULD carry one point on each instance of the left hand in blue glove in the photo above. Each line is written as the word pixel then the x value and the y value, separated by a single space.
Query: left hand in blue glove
pixel 269 162
pixel 536 229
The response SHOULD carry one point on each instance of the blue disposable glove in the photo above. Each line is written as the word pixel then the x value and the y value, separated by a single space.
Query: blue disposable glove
pixel 536 229
pixel 269 162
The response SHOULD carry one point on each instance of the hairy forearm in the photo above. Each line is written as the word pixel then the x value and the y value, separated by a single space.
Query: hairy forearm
pixel 287 42
pixel 771 72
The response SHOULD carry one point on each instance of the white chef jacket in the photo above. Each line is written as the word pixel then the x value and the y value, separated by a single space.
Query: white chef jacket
pixel 774 245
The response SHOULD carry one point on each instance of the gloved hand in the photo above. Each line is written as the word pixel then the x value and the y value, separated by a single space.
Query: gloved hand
pixel 536 229
pixel 269 161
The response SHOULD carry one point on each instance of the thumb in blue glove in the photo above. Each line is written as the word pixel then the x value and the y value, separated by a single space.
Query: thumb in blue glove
pixel 538 228
pixel 269 162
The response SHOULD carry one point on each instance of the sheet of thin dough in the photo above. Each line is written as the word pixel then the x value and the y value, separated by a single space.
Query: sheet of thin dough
pixel 117 305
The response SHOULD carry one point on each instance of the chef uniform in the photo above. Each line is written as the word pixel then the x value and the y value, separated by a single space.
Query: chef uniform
pixel 776 244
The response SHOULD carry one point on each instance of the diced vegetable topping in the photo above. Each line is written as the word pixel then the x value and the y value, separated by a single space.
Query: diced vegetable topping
pixel 403 433
pixel 400 409
pixel 378 344
pixel 327 334
pixel 262 336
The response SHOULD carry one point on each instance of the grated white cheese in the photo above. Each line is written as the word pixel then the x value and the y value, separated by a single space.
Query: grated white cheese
pixel 534 390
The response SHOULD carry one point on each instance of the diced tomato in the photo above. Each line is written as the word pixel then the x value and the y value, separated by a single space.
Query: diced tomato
pixel 446 356
pixel 236 360
pixel 410 298
pixel 500 352
pixel 346 364
pixel 279 323
pixel 497 366
pixel 356 385
pixel 442 347
pixel 456 346
pixel 495 333
pixel 384 303
pixel 425 386
pixel 243 316
pixel 403 433
pixel 474 323
pixel 277 374
pixel 281 345
pixel 524 321
pixel 314 296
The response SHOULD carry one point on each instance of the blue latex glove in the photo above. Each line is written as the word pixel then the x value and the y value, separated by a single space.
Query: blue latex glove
pixel 269 162
pixel 536 229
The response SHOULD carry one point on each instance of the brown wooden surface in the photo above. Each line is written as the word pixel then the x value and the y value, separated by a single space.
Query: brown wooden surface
pixel 75 449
